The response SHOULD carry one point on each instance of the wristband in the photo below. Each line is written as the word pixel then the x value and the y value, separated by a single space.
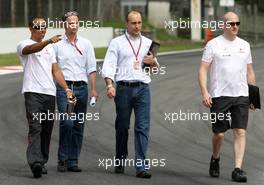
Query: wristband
pixel 109 86
pixel 68 90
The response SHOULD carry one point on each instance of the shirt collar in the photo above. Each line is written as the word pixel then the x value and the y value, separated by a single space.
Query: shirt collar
pixel 131 37
pixel 64 37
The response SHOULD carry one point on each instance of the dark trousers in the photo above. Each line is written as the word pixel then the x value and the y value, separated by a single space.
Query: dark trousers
pixel 39 108
pixel 127 99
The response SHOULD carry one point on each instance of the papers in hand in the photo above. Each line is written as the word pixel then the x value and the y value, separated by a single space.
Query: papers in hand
pixel 93 102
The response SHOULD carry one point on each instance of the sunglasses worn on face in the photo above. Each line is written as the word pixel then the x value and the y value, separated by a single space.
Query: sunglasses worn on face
pixel 234 23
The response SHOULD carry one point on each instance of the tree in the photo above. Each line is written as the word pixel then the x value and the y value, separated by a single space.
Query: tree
pixel 0 12
pixel 13 13
pixel 26 12
pixel 39 8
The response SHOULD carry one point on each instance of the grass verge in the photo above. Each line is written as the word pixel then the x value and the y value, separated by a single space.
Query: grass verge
pixel 12 59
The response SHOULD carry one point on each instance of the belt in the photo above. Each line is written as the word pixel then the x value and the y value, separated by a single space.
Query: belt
pixel 76 83
pixel 130 84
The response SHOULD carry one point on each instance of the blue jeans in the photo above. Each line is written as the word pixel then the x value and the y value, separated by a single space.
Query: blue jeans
pixel 71 130
pixel 128 98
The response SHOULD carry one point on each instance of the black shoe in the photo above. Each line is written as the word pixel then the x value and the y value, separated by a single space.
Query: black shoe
pixel 214 169
pixel 144 175
pixel 119 169
pixel 62 166
pixel 44 170
pixel 74 169
pixel 37 170
pixel 239 175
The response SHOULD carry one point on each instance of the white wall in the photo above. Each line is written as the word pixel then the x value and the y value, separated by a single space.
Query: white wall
pixel 158 13
pixel 100 37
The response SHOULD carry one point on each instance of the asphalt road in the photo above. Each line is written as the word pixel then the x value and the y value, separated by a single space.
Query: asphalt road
pixel 185 145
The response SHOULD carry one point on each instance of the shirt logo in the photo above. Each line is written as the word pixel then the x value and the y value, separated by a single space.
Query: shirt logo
pixel 225 53
pixel 46 52
pixel 241 50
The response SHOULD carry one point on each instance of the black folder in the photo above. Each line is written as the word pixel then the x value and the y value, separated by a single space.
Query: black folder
pixel 254 96
pixel 154 48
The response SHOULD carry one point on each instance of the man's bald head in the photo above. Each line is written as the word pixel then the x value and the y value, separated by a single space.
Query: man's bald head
pixel 230 16
pixel 133 23
pixel 131 14
pixel 231 25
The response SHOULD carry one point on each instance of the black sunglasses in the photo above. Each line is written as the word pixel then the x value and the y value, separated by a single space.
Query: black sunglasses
pixel 234 23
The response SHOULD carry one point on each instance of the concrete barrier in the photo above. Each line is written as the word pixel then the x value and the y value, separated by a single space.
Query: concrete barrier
pixel 100 37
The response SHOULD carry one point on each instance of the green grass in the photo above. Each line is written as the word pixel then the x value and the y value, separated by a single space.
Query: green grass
pixel 180 46
pixel 12 58
pixel 100 52
pixel 9 59
pixel 162 35
pixel 113 23
pixel 122 24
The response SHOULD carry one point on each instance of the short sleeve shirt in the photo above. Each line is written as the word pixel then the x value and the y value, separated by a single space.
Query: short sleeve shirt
pixel 37 69
pixel 228 66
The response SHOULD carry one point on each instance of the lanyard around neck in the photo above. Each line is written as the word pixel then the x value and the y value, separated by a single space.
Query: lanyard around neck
pixel 135 53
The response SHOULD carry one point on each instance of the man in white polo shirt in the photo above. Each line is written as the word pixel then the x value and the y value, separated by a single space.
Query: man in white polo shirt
pixel 39 63
pixel 123 64
pixel 229 62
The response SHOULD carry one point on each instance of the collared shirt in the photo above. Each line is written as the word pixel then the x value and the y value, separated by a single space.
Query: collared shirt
pixel 228 69
pixel 120 58
pixel 37 69
pixel 77 60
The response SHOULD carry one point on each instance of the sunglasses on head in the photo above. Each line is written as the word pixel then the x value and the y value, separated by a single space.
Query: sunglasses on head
pixel 234 23
pixel 68 14
pixel 71 13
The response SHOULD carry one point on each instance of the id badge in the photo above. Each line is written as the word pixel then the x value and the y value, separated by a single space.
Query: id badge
pixel 136 65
